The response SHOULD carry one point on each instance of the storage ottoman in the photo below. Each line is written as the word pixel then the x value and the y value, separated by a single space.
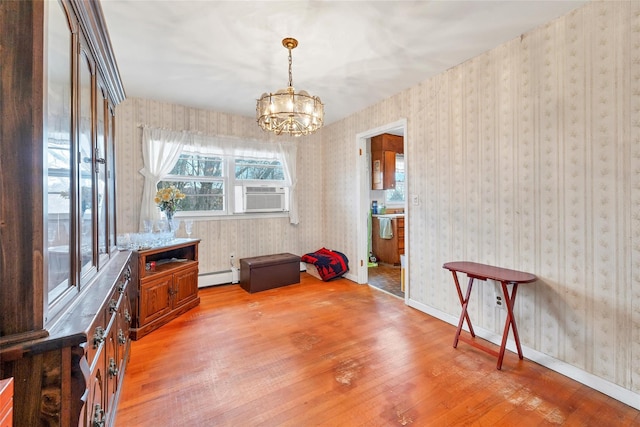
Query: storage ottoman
pixel 269 271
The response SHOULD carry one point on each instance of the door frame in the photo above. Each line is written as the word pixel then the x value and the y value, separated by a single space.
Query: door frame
pixel 364 187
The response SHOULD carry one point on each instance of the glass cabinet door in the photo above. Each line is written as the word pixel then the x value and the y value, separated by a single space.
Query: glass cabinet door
pixel 78 137
pixel 111 179
pixel 58 150
pixel 85 172
pixel 101 175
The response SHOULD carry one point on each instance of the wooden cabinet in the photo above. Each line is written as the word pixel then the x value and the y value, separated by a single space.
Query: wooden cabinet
pixel 106 352
pixel 388 251
pixel 167 285
pixel 73 377
pixel 63 283
pixel 383 158
pixel 400 234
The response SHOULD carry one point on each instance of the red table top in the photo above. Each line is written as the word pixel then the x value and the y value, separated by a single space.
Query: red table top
pixel 484 271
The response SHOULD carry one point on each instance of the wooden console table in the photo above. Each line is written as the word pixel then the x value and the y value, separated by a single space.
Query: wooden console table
pixel 505 277
pixel 167 285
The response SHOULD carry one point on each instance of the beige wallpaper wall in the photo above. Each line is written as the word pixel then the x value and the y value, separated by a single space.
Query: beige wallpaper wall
pixel 527 157
pixel 244 237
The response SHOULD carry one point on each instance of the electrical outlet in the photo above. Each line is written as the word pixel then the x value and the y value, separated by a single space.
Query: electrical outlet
pixel 499 301
pixel 415 200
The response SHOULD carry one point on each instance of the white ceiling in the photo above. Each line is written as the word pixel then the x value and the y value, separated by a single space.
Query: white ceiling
pixel 222 55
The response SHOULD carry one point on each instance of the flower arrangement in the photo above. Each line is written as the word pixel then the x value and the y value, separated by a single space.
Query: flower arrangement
pixel 168 199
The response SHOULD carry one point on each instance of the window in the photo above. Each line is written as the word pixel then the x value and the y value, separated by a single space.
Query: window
pixel 396 195
pixel 208 185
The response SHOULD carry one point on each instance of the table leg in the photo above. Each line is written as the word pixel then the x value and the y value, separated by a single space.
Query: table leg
pixel 510 322
pixel 464 315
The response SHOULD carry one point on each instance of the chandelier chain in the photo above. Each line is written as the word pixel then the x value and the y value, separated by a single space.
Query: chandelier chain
pixel 290 73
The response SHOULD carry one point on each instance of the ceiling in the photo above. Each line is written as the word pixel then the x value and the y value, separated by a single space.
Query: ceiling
pixel 222 55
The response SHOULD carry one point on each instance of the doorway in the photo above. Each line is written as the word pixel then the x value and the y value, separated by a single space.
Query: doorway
pixel 385 274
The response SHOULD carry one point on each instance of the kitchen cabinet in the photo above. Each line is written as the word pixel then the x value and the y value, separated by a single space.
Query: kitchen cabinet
pixel 167 285
pixel 384 149
pixel 388 251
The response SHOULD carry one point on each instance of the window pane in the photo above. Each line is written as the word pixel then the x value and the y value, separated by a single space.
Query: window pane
pixel 195 165
pixel 200 195
pixel 259 170
pixel 397 195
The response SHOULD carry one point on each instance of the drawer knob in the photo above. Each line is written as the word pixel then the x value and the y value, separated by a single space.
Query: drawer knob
pixel 113 369
pixel 122 339
pixel 98 336
pixel 98 416
pixel 113 306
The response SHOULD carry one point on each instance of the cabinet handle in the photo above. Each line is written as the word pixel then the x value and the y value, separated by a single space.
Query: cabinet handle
pixel 113 306
pixel 122 339
pixel 127 316
pixel 127 273
pixel 98 336
pixel 98 416
pixel 121 286
pixel 113 369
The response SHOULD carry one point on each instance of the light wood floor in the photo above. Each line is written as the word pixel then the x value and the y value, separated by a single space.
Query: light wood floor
pixel 337 354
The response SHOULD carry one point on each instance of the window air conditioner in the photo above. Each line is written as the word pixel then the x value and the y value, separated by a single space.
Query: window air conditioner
pixel 261 198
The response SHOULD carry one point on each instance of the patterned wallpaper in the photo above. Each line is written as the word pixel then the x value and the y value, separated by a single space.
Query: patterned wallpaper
pixel 527 157
pixel 219 238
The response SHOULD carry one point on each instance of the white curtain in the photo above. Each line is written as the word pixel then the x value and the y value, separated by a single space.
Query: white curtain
pixel 289 153
pixel 161 149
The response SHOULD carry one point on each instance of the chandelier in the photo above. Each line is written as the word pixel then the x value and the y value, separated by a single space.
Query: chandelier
pixel 287 111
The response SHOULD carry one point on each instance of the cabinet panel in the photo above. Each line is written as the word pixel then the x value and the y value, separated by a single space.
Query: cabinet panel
pixel 389 174
pixel 383 157
pixel 94 412
pixel 185 285
pixel 386 250
pixel 155 299
pixel 400 231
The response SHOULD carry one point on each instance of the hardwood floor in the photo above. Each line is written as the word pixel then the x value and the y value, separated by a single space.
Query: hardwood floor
pixel 337 354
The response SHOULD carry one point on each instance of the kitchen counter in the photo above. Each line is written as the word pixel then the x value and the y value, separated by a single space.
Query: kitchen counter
pixel 391 215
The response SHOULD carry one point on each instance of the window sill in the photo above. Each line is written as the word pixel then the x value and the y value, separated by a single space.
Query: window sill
pixel 223 217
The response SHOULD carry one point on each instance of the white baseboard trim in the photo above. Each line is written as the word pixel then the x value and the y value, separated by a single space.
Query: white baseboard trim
pixel 219 278
pixel 615 391
pixel 226 277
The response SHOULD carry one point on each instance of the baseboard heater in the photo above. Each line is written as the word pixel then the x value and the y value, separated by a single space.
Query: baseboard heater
pixel 225 277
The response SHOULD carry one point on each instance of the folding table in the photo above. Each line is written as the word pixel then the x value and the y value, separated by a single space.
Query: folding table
pixel 505 277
